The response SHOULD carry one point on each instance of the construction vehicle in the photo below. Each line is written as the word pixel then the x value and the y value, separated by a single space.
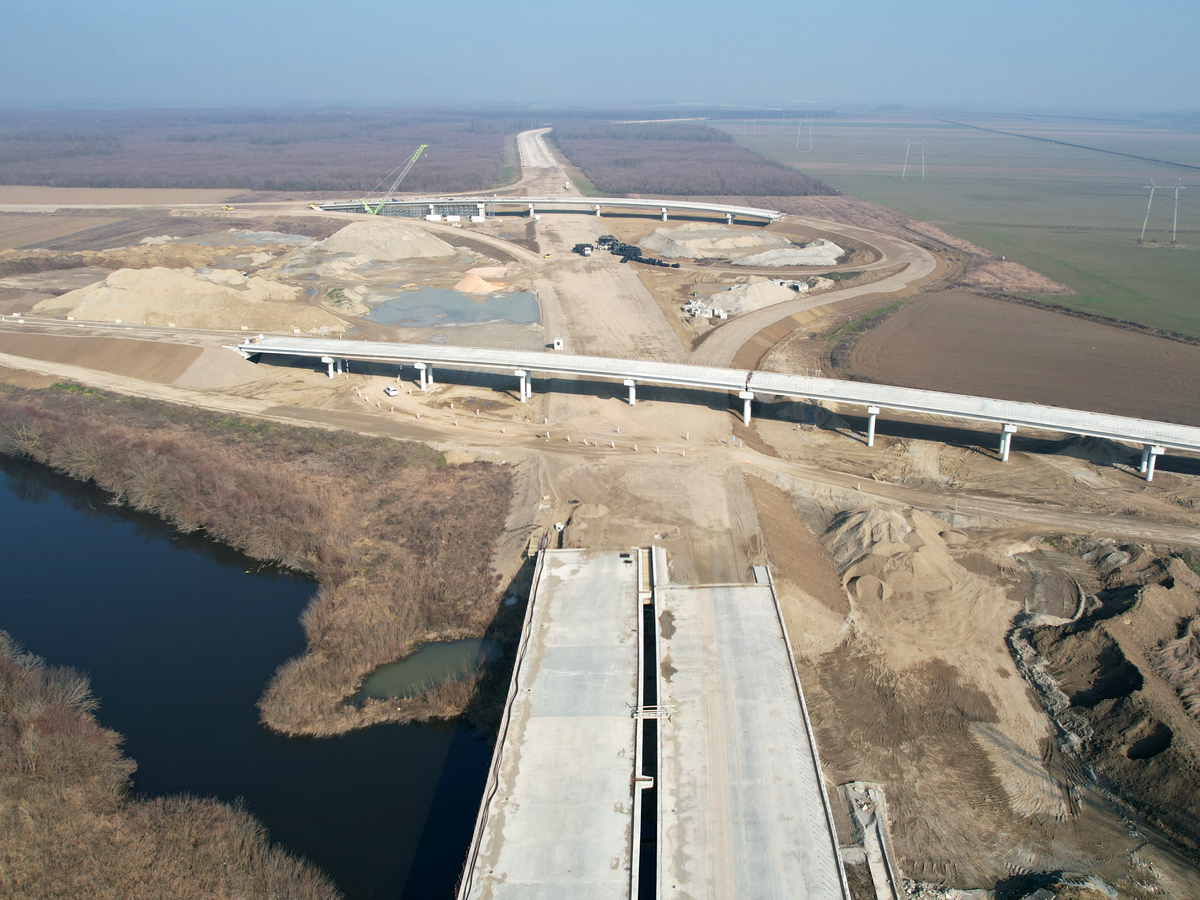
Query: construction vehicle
pixel 395 184
pixel 583 249
pixel 227 208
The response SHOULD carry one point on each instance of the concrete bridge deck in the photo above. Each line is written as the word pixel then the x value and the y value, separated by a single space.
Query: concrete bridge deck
pixel 440 205
pixel 1009 415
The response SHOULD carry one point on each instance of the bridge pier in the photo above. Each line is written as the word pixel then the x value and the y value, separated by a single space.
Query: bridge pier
pixel 420 367
pixel 746 397
pixel 1006 434
pixel 872 412
pixel 328 360
pixel 632 385
pixel 597 210
pixel 664 214
pixel 531 210
pixel 1150 452
pixel 728 218
pixel 520 373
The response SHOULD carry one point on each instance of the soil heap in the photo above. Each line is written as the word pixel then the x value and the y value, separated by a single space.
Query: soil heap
pixel 193 298
pixel 748 297
pixel 700 240
pixel 815 253
pixel 385 240
pixel 473 284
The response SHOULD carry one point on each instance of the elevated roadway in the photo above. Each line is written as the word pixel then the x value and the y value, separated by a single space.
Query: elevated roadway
pixel 420 206
pixel 1010 415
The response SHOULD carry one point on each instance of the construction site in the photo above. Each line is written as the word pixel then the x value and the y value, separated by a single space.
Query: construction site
pixel 832 592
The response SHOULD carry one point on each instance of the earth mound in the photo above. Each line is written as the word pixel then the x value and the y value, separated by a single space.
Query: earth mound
pixel 748 297
pixel 193 298
pixel 700 240
pixel 473 284
pixel 815 253
pixel 385 240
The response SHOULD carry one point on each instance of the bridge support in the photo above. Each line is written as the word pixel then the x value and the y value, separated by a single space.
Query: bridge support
pixel 872 412
pixel 728 218
pixel 531 210
pixel 632 385
pixel 328 360
pixel 664 214
pixel 746 397
pixel 1149 453
pixel 1006 434
pixel 597 210
pixel 420 367
pixel 520 373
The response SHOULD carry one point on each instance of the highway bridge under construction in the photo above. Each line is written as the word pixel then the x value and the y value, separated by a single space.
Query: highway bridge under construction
pixel 1155 438
pixel 654 743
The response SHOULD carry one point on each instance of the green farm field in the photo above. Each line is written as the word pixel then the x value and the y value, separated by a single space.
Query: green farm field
pixel 1072 213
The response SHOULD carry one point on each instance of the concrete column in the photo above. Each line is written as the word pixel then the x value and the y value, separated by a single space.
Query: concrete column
pixel 328 360
pixel 429 376
pixel 520 373
pixel 597 210
pixel 1145 459
pixel 432 211
pixel 531 210
pixel 664 213
pixel 728 218
pixel 872 412
pixel 482 210
pixel 1153 452
pixel 632 385
pixel 529 387
pixel 746 396
pixel 1006 434
pixel 420 367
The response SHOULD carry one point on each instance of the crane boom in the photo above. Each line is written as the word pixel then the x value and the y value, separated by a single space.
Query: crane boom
pixel 395 184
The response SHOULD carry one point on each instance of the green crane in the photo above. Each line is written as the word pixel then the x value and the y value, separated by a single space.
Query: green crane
pixel 395 184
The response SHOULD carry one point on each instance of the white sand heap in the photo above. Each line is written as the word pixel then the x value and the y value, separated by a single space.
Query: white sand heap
pixel 701 240
pixel 473 284
pixel 384 239
pixel 748 297
pixel 815 253
pixel 204 298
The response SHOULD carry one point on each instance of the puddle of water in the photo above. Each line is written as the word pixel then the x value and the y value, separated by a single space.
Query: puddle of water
pixel 437 306
pixel 432 663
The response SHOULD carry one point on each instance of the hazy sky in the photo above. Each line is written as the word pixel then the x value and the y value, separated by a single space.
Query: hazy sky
pixel 1091 54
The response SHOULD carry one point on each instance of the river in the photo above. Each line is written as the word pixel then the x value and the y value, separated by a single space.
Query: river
pixel 179 635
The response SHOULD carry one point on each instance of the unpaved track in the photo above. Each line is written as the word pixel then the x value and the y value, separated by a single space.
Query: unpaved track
pixel 533 150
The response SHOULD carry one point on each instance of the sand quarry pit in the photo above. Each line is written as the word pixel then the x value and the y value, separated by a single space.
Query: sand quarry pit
pixel 702 240
pixel 193 298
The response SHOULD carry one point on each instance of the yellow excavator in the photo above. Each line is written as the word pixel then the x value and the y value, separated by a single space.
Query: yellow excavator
pixel 395 184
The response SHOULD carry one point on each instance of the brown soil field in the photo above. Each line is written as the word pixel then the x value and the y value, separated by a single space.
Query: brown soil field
pixel 34 229
pixel 963 343
pixel 35 194
pixel 147 360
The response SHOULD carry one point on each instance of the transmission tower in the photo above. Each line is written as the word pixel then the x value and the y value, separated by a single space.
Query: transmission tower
pixel 1179 186
pixel 1152 187
pixel 799 126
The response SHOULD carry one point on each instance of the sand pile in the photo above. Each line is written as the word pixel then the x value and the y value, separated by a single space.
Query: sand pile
pixel 748 297
pixel 815 253
pixel 700 240
pixel 203 298
pixel 473 284
pixel 386 240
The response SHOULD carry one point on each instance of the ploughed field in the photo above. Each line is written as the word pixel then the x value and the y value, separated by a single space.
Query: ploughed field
pixel 963 343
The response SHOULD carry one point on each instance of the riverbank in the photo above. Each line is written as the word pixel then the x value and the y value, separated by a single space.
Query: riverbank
pixel 400 543
pixel 73 830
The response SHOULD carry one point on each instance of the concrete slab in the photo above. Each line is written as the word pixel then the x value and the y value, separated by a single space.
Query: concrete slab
pixel 557 814
pixel 742 809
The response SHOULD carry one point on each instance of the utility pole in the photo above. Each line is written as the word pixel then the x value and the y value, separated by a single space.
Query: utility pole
pixel 1152 186
pixel 907 148
pixel 1175 218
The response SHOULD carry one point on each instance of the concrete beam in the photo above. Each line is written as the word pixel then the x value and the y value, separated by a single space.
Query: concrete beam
pixel 872 412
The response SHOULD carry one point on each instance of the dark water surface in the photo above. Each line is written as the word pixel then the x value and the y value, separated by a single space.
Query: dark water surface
pixel 179 641
pixel 438 306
